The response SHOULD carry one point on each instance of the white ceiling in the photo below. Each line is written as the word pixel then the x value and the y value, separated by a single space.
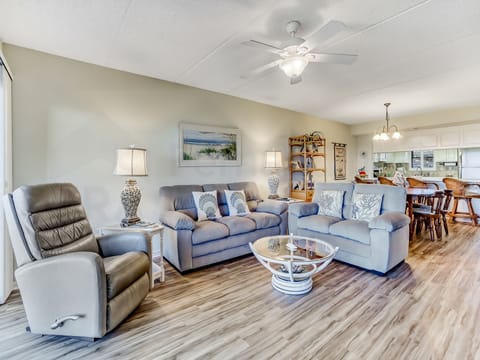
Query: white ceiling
pixel 422 55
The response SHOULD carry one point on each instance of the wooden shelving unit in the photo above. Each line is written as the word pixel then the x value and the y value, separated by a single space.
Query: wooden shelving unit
pixel 307 165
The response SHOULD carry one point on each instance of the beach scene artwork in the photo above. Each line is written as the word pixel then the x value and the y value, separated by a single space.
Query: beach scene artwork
pixel 205 145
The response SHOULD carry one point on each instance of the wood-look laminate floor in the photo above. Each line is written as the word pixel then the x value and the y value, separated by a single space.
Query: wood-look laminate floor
pixel 427 308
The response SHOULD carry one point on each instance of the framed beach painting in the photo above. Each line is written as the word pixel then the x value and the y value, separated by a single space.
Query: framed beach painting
pixel 202 145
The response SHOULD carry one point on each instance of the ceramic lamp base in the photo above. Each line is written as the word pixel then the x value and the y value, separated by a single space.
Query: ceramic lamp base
pixel 130 197
pixel 273 182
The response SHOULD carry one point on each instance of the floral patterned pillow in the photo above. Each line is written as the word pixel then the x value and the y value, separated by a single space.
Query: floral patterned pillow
pixel 206 204
pixel 330 203
pixel 237 202
pixel 366 206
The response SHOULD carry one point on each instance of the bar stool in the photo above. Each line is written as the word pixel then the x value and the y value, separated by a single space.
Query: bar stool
pixel 458 188
pixel 385 181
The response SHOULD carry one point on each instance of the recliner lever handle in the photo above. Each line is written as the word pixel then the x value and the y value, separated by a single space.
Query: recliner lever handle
pixel 59 322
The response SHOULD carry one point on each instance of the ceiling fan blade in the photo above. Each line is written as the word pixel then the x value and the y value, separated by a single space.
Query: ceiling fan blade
pixel 326 32
pixel 345 59
pixel 295 80
pixel 262 45
pixel 262 69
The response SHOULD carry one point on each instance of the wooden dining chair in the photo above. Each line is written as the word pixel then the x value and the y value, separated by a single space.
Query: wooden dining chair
pixel 460 193
pixel 430 216
pixel 446 208
pixel 385 181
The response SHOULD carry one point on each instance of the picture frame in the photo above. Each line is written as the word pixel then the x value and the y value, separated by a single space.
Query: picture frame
pixel 340 161
pixel 202 145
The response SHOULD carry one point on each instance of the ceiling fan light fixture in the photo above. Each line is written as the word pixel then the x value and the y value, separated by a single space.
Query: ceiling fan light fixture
pixel 293 66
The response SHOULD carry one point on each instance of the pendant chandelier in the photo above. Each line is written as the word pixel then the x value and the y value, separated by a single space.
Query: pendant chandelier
pixel 389 131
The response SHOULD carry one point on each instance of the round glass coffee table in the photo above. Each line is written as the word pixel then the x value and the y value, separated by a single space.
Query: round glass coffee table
pixel 293 260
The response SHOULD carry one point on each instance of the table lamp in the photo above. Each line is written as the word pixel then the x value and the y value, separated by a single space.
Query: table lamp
pixel 131 161
pixel 273 161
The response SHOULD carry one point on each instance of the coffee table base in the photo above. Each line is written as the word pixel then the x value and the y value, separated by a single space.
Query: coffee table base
pixel 292 287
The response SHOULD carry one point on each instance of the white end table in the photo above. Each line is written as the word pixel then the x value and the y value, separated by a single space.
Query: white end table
pixel 157 271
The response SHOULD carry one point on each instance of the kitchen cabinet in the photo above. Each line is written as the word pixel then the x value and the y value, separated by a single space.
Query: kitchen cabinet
pixel 422 159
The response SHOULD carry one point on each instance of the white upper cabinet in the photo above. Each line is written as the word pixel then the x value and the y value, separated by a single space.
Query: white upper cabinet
pixel 470 135
pixel 441 138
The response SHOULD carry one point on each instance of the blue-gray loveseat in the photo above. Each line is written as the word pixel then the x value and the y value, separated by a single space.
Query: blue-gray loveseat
pixel 378 244
pixel 189 244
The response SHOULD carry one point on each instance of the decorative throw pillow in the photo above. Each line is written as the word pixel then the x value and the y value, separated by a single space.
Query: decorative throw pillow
pixel 366 206
pixel 330 203
pixel 206 204
pixel 237 203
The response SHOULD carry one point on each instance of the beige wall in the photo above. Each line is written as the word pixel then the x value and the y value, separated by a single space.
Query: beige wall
pixel 69 117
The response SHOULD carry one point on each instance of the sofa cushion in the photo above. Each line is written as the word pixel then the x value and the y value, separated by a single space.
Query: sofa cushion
pixel 208 230
pixel 394 197
pixel 123 270
pixel 366 206
pixel 330 203
pixel 264 220
pixel 390 221
pixel 237 224
pixel 251 192
pixel 347 196
pixel 319 223
pixel 221 199
pixel 206 205
pixel 237 203
pixel 352 229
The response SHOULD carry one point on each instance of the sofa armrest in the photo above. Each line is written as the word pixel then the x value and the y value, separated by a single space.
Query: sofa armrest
pixel 390 221
pixel 272 207
pixel 303 209
pixel 121 243
pixel 177 220
pixel 63 285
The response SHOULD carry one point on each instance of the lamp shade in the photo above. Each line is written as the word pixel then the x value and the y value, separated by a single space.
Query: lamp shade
pixel 293 66
pixel 131 161
pixel 273 159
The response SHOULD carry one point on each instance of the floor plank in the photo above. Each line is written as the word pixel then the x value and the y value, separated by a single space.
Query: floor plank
pixel 427 308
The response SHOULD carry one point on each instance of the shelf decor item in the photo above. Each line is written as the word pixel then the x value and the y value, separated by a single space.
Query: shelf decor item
pixel 131 161
pixel 308 150
pixel 273 161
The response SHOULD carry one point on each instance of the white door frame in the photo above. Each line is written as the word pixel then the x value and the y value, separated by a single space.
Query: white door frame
pixel 6 253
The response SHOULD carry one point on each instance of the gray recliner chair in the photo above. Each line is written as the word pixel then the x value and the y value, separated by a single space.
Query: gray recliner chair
pixel 71 282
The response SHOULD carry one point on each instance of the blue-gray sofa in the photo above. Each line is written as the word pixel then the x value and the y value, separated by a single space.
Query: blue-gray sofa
pixel 189 244
pixel 378 244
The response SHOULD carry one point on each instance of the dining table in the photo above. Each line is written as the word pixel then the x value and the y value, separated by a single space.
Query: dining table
pixel 412 195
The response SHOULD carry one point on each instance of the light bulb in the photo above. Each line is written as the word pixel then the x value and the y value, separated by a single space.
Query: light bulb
pixel 293 66
pixel 384 136
pixel 396 135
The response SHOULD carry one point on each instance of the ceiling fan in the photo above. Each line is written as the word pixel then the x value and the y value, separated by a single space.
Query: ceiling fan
pixel 295 54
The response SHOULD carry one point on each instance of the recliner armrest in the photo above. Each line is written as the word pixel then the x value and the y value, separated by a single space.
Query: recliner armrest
pixel 390 221
pixel 272 207
pixel 121 243
pixel 63 285
pixel 303 209
pixel 177 220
